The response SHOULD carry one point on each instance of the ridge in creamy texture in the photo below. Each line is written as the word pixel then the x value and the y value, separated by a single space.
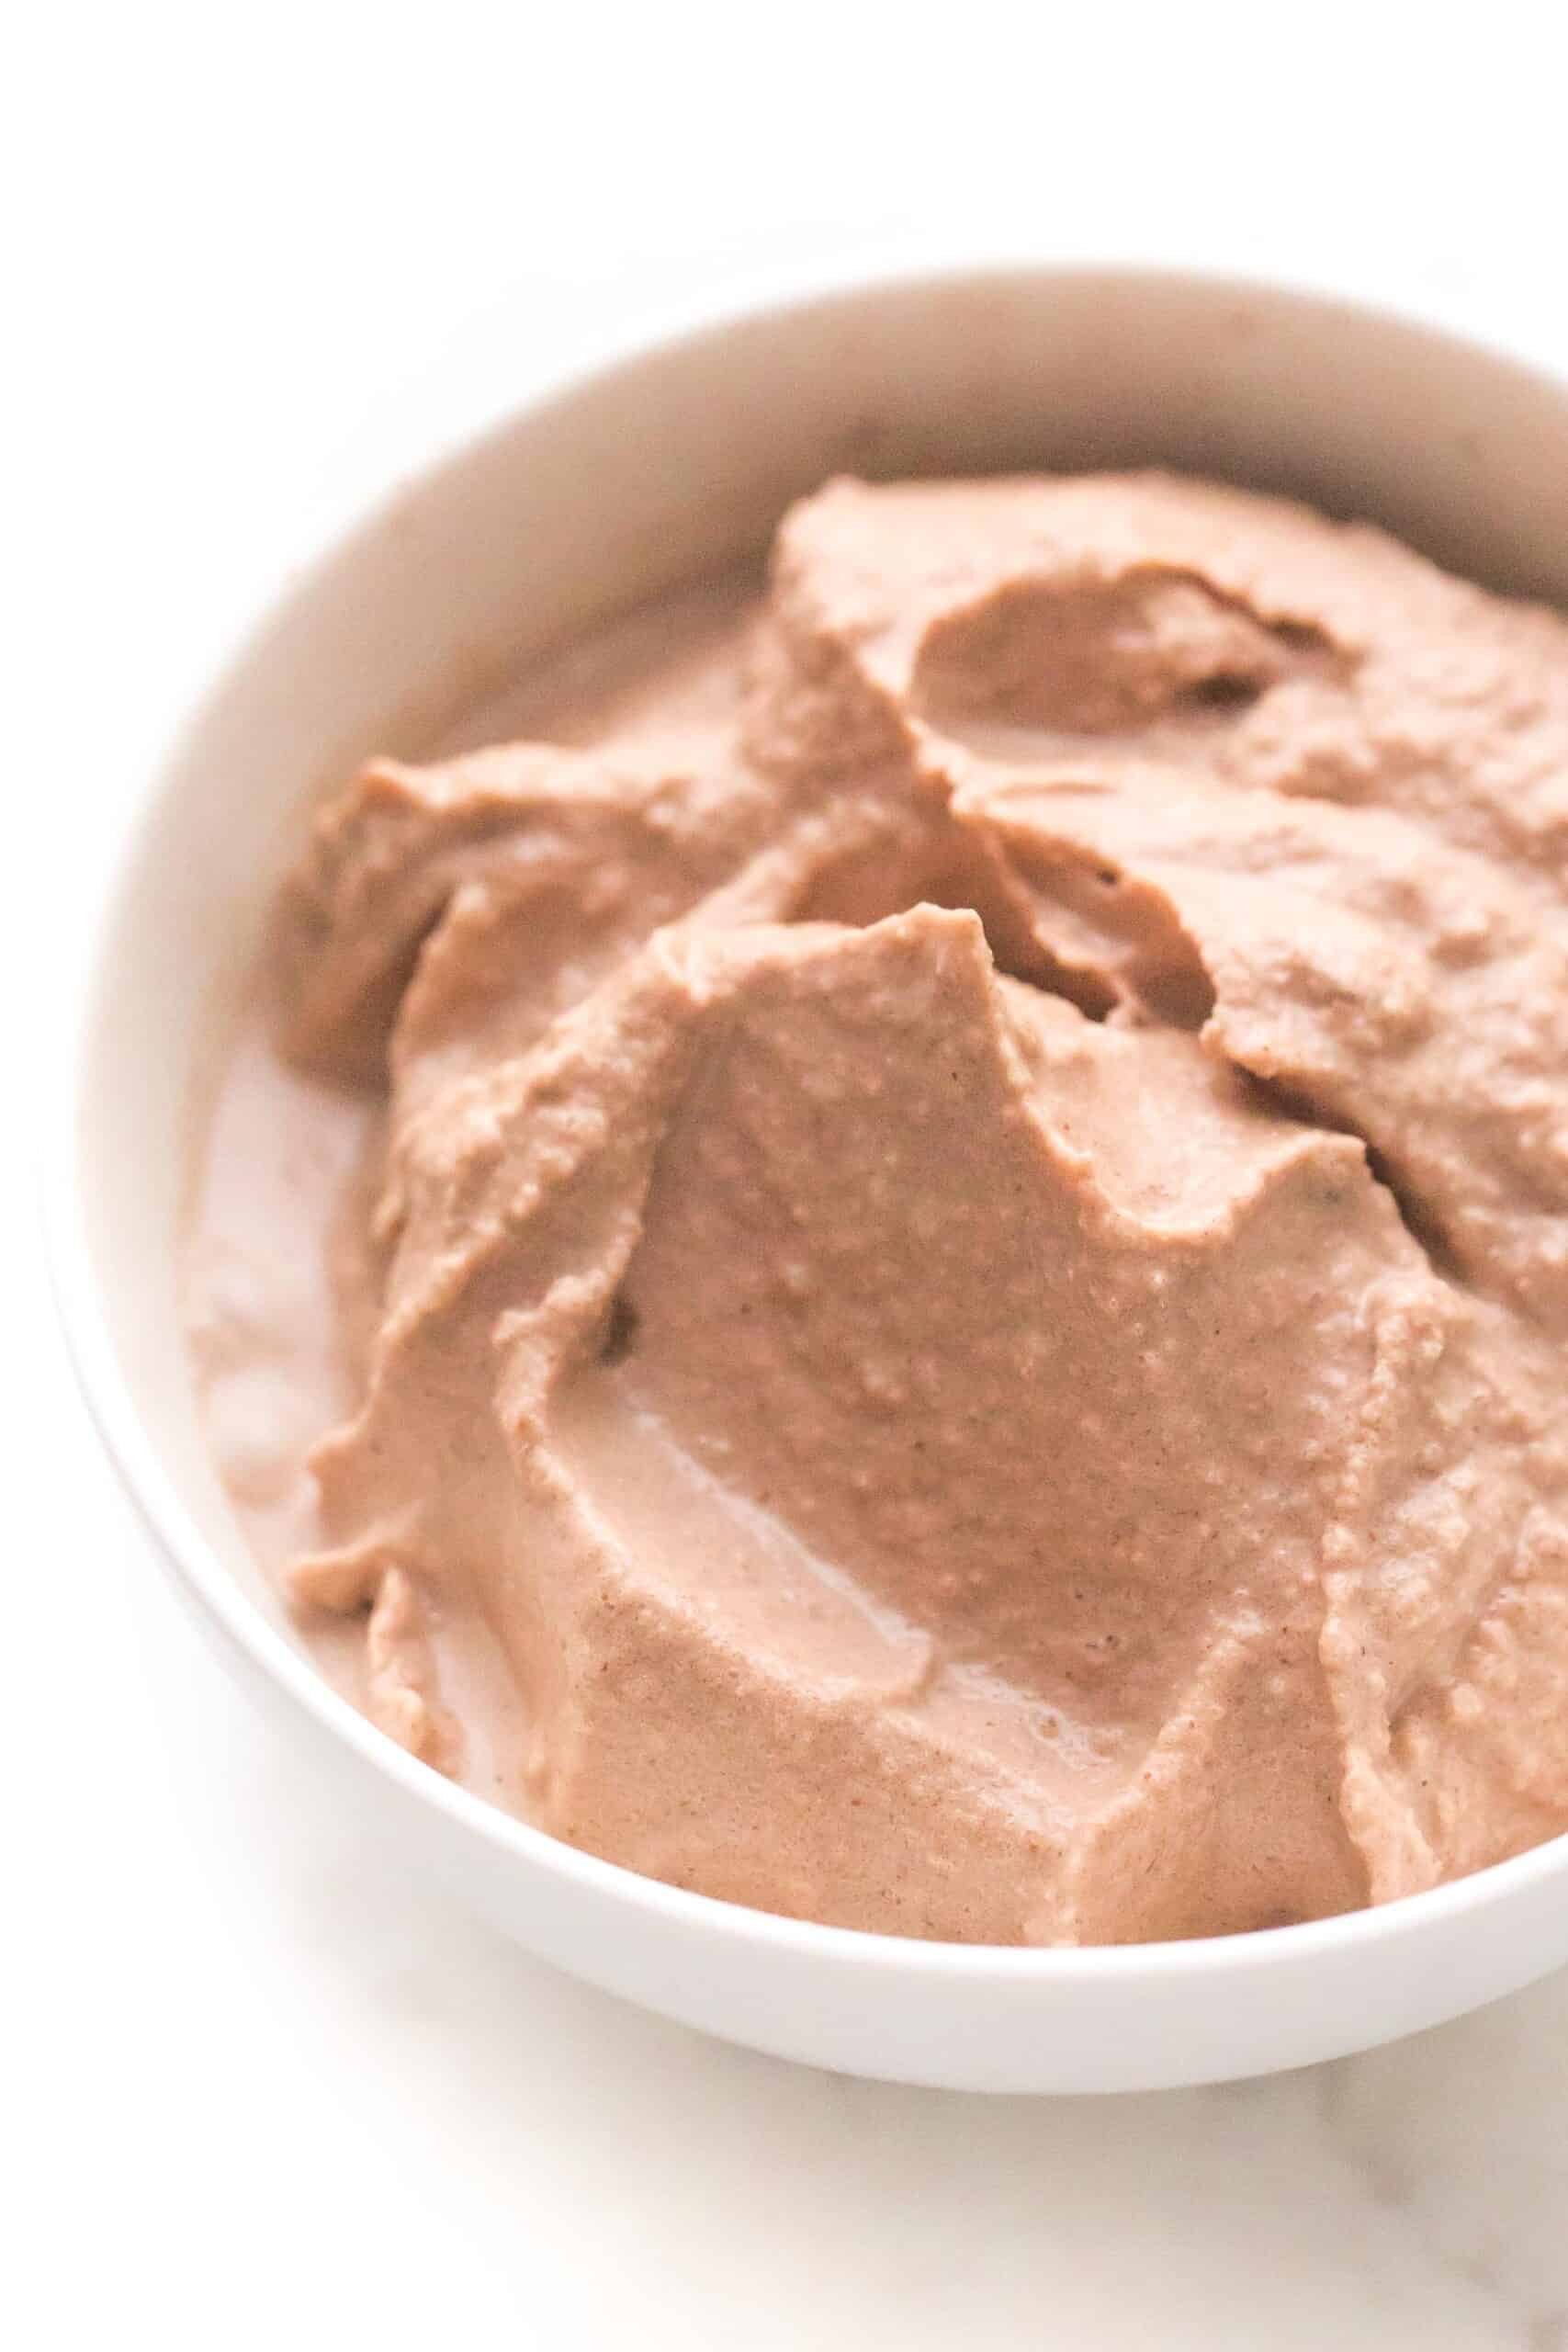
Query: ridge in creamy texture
pixel 936 1225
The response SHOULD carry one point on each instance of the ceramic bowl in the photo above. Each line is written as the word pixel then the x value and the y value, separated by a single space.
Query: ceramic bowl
pixel 680 457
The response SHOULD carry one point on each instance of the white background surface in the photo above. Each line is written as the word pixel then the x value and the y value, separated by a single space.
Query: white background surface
pixel 257 2088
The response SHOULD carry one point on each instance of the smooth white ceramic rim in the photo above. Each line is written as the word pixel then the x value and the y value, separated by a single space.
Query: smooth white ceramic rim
pixel 1232 1960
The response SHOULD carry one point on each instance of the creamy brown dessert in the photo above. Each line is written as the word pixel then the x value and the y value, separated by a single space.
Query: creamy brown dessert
pixel 937 1226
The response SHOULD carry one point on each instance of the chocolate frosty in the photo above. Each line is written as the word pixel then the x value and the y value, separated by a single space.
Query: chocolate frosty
pixel 952 1319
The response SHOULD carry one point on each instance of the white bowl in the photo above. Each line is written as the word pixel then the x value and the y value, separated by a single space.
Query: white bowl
pixel 673 460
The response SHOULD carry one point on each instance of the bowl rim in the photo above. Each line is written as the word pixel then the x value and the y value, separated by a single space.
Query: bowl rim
pixel 152 1489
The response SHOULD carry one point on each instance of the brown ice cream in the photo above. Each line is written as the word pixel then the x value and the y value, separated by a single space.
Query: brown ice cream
pixel 938 1224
